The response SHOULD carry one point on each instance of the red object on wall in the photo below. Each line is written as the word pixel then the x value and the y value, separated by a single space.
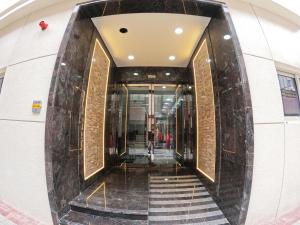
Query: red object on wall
pixel 43 25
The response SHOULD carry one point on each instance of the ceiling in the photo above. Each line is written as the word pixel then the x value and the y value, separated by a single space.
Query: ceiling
pixel 151 38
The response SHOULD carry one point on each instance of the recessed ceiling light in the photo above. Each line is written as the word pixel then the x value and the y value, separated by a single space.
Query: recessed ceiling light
pixel 135 74
pixel 172 57
pixel 168 74
pixel 190 87
pixel 131 57
pixel 123 30
pixel 164 87
pixel 63 64
pixel 227 37
pixel 178 30
pixel 166 179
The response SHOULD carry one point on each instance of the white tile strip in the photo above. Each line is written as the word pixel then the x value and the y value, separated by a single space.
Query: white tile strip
pixel 175 181
pixel 170 177
pixel 184 217
pixel 187 208
pixel 176 202
pixel 181 189
pixel 185 195
pixel 176 185
pixel 212 222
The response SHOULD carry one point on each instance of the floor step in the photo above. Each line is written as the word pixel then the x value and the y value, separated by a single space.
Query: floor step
pixel 109 212
pixel 182 200
pixel 73 217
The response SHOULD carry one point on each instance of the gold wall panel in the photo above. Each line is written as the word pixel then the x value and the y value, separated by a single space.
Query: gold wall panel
pixel 205 113
pixel 95 106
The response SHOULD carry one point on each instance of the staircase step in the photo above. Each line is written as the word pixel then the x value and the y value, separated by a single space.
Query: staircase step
pixel 109 212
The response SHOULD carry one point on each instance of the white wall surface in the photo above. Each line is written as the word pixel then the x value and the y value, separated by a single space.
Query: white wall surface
pixel 29 55
pixel 269 41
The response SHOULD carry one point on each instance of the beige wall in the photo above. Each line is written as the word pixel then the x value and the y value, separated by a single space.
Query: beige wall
pixel 29 55
pixel 268 43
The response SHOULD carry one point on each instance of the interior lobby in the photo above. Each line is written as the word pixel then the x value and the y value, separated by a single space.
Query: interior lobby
pixel 149 112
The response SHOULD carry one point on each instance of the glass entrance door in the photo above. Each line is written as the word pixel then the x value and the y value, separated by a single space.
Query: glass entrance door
pixel 164 123
pixel 151 110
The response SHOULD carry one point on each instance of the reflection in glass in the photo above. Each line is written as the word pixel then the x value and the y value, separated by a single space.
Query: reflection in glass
pixel 289 95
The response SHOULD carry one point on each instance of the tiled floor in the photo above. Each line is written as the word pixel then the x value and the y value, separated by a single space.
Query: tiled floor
pixel 4 221
pixel 165 194
pixel 11 216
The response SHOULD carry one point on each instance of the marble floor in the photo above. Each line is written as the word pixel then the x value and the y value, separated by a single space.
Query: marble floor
pixel 161 156
pixel 158 194
pixel 124 192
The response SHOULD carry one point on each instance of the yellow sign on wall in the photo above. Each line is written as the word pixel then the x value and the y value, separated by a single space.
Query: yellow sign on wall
pixel 36 106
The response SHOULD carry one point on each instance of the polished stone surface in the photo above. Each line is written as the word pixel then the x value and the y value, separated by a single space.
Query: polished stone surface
pixel 162 194
pixel 72 218
pixel 64 113
pixel 122 191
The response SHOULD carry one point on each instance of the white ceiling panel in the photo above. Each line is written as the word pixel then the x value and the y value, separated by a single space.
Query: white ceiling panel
pixel 151 38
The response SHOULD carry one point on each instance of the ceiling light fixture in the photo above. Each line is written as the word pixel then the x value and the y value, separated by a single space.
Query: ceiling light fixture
pixel 178 30
pixel 164 87
pixel 172 57
pixel 168 74
pixel 135 74
pixel 190 87
pixel 123 30
pixel 131 57
pixel 227 37
pixel 63 64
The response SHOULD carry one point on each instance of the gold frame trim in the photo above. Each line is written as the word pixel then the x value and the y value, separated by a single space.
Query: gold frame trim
pixel 176 91
pixel 197 108
pixel 97 42
pixel 126 119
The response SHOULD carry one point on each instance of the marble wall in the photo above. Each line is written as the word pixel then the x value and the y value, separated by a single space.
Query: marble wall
pixel 63 137
pixel 234 127
pixel 234 121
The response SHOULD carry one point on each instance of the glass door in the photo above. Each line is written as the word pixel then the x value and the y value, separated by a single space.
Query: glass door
pixel 151 112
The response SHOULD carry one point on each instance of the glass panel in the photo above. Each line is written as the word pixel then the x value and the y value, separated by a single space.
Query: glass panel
pixel 165 118
pixel 289 94
pixel 137 124
pixel 1 82
pixel 122 120
pixel 164 123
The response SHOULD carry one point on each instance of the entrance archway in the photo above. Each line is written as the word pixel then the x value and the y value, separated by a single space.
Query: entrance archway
pixel 228 178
